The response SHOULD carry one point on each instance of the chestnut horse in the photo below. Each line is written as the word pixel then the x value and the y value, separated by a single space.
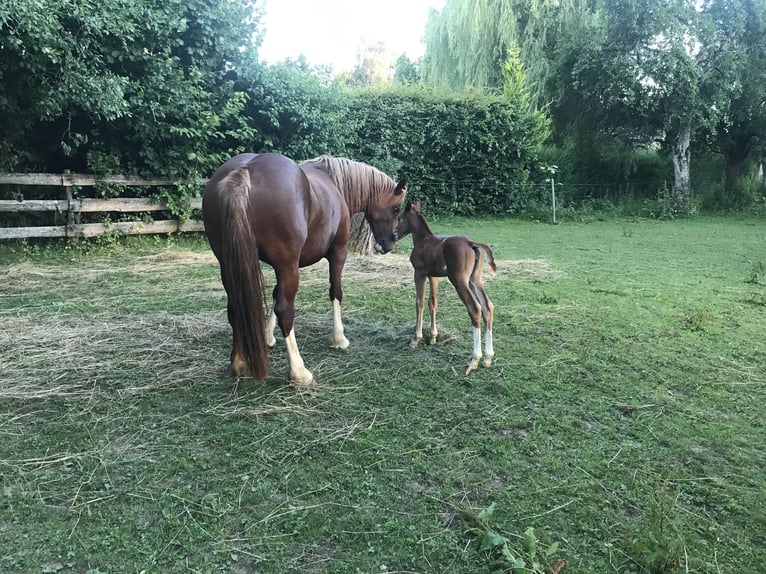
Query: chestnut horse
pixel 267 207
pixel 460 260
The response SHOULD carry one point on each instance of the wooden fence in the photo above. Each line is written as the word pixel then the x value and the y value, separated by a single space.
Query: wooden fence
pixel 73 207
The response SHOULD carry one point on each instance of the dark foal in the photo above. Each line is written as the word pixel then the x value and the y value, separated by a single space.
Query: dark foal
pixel 460 260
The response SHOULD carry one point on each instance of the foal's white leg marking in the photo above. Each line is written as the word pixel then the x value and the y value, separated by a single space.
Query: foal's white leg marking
pixel 434 329
pixel 299 375
pixel 476 350
pixel 418 328
pixel 339 341
pixel 489 351
pixel 271 324
pixel 432 309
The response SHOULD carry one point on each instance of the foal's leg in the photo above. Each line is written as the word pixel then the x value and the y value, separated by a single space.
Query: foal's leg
pixel 433 305
pixel 463 289
pixel 337 260
pixel 420 296
pixel 487 311
pixel 284 308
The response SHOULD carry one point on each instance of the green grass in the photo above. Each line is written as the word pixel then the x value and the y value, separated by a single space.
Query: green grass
pixel 622 418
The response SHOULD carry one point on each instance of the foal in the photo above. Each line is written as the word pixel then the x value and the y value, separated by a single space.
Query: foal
pixel 460 260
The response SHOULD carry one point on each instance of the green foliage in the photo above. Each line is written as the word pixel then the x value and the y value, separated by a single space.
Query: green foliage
pixel 294 110
pixel 527 557
pixel 406 72
pixel 658 546
pixel 139 81
pixel 470 153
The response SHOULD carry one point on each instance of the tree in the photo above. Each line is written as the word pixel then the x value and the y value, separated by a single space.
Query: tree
pixel 633 70
pixel 139 85
pixel 736 50
pixel 467 42
pixel 406 72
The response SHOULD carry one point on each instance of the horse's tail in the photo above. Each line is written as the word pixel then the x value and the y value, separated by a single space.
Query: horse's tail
pixel 491 258
pixel 243 276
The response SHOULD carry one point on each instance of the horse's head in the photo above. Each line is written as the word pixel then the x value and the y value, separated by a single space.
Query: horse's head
pixel 408 219
pixel 383 217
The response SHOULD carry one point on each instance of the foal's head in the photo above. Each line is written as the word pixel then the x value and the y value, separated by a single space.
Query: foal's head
pixel 409 220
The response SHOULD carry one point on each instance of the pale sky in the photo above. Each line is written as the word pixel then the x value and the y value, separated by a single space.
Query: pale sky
pixel 331 31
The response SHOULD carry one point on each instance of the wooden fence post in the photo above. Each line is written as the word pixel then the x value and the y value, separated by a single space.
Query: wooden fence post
pixel 66 181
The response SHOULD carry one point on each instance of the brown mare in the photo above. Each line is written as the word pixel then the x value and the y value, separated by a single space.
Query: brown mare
pixel 267 207
pixel 460 260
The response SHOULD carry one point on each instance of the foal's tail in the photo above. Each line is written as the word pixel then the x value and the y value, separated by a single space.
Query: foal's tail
pixel 243 277
pixel 488 251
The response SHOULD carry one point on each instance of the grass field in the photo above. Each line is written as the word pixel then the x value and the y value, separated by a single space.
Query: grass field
pixel 622 419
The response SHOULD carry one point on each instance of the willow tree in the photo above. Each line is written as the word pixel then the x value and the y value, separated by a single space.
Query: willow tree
pixel 468 41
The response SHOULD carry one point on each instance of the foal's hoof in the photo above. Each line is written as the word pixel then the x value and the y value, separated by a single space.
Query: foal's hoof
pixel 304 379
pixel 433 339
pixel 342 344
pixel 472 365
pixel 488 360
pixel 414 343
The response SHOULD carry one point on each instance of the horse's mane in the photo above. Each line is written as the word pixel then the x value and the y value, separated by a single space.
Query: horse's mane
pixel 358 182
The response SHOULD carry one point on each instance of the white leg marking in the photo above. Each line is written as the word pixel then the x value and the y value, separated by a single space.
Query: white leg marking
pixel 271 324
pixel 299 375
pixel 434 330
pixel 489 351
pixel 339 341
pixel 476 350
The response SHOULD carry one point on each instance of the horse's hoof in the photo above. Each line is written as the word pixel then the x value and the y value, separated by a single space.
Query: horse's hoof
pixel 488 361
pixel 343 344
pixel 414 343
pixel 433 340
pixel 237 368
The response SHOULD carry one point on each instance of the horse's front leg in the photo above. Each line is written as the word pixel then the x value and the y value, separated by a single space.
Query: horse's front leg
pixel 284 308
pixel 420 299
pixel 337 260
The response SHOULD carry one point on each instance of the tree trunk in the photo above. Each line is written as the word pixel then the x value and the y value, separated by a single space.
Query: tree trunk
pixel 736 153
pixel 681 159
pixel 361 240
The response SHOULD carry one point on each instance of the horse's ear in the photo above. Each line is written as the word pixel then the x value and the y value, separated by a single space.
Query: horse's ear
pixel 401 186
pixel 416 206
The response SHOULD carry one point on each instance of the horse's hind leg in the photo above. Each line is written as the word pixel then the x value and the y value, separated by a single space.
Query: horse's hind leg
pixel 433 305
pixel 284 308
pixel 238 366
pixel 271 322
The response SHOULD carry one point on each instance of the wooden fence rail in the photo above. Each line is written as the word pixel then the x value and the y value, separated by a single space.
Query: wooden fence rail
pixel 72 207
